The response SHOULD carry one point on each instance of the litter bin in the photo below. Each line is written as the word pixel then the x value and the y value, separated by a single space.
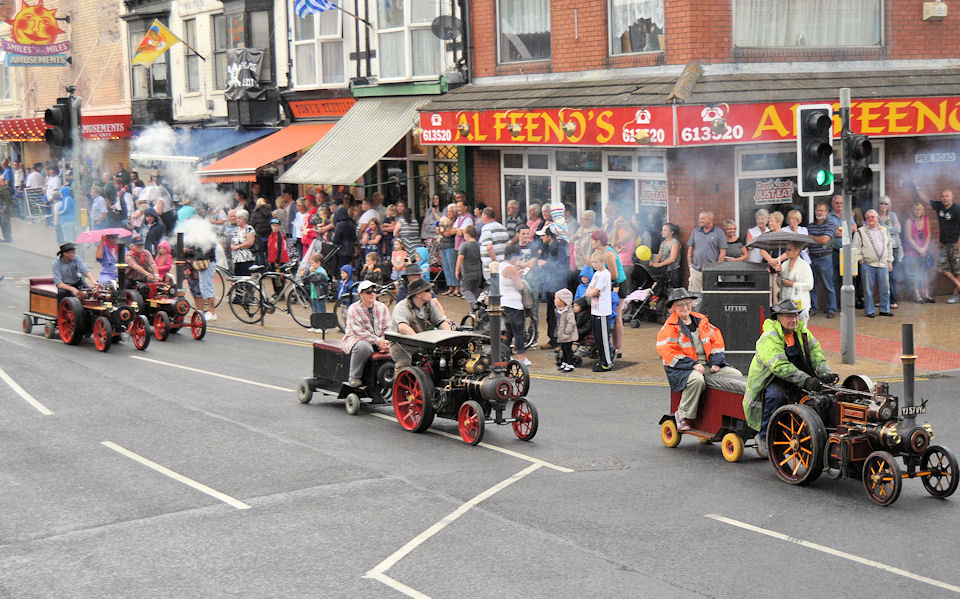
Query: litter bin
pixel 736 298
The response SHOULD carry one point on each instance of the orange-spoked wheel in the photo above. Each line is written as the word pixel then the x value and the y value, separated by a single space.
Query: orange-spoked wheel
pixel 796 440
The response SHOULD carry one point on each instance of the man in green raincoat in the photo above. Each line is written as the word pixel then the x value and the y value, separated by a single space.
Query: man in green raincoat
pixel 787 365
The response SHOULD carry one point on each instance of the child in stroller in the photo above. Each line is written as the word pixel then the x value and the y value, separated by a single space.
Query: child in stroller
pixel 649 300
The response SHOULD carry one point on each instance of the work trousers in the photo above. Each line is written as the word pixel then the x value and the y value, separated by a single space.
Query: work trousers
pixel 690 397
pixel 359 354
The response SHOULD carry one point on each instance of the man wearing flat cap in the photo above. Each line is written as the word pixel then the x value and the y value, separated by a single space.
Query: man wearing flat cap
pixel 692 350
pixel 788 364
pixel 414 315
pixel 70 273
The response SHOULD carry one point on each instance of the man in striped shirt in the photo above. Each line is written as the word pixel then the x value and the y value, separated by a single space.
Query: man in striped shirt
pixel 493 240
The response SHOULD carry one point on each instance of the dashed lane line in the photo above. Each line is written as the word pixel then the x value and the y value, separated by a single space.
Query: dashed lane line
pixel 835 553
pixel 176 476
pixel 378 572
pixel 216 374
pixel 22 393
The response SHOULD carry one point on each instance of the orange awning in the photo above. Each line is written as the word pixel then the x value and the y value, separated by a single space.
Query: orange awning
pixel 242 165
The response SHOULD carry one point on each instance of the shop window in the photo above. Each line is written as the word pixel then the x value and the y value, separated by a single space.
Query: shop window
pixel 447 180
pixel 616 162
pixel 636 26
pixel 580 160
pixel 318 49
pixel 445 152
pixel 651 164
pixel 538 161
pixel 807 23
pixel 768 161
pixel 623 195
pixel 407 46
pixel 515 188
pixel 220 51
pixel 147 80
pixel 524 27
pixel 192 59
pixel 513 160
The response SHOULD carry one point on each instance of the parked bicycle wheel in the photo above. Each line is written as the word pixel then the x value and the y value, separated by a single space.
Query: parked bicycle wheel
pixel 298 305
pixel 530 332
pixel 219 287
pixel 340 309
pixel 245 301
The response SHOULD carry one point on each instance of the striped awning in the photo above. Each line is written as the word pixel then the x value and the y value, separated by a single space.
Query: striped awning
pixel 358 140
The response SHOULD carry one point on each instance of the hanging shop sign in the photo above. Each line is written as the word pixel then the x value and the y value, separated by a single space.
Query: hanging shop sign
pixel 772 191
pixel 749 123
pixel 637 126
pixel 34 31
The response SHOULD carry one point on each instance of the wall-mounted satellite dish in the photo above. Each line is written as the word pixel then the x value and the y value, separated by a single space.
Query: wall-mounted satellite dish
pixel 447 27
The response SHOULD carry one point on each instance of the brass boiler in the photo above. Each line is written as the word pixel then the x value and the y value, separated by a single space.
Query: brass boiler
pixel 483 384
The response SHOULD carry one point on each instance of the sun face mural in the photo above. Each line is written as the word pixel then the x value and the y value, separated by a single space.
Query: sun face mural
pixel 35 25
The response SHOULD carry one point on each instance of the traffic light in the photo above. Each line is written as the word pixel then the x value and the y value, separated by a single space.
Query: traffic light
pixel 859 149
pixel 814 149
pixel 61 118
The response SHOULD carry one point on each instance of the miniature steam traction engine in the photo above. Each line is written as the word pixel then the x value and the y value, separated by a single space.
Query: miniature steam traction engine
pixel 858 430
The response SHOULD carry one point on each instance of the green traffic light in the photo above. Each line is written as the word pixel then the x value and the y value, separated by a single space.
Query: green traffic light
pixel 824 177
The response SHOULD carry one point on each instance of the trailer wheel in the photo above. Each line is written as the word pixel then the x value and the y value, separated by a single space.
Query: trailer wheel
pixel 384 380
pixel 140 332
pixel 942 466
pixel 305 391
pixel 796 440
pixel 27 325
pixel 352 403
pixel 161 326
pixel 470 421
pixel 881 478
pixel 70 320
pixel 102 333
pixel 732 447
pixel 526 421
pixel 413 399
pixel 49 330
pixel 669 434
pixel 198 325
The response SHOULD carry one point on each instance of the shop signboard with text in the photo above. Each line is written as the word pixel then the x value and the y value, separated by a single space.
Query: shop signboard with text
pixel 750 123
pixel 34 31
pixel 636 126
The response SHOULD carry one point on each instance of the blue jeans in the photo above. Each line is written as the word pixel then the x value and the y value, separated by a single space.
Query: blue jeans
pixel 823 275
pixel 775 395
pixel 894 276
pixel 870 275
pixel 318 304
pixel 448 259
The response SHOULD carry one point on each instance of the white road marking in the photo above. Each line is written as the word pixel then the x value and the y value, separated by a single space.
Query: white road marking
pixel 502 450
pixel 378 571
pixel 216 374
pixel 22 393
pixel 177 477
pixel 836 553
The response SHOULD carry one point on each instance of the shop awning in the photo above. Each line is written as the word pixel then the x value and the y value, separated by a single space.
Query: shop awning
pixel 242 165
pixel 114 126
pixel 367 132
pixel 192 145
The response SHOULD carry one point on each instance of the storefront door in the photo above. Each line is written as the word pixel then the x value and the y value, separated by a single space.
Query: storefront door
pixel 581 193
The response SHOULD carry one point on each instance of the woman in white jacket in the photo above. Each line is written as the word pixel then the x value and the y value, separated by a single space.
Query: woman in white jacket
pixel 796 279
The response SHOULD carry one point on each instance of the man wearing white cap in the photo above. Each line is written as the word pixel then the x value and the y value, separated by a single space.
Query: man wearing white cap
pixel 367 321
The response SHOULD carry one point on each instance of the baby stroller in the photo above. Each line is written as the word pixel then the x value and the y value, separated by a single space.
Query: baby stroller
pixel 584 346
pixel 648 302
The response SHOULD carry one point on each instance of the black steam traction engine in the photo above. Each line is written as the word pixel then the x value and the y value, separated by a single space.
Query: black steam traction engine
pixel 100 312
pixel 858 430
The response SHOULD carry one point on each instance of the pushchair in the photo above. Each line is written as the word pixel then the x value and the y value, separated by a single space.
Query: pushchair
pixel 648 302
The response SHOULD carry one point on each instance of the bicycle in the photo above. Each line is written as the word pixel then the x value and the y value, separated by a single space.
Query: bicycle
pixel 250 304
pixel 385 293
pixel 478 320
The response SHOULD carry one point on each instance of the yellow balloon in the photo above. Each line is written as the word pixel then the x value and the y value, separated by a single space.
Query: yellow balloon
pixel 643 252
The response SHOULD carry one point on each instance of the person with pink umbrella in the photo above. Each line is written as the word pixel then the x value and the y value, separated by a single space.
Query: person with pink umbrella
pixel 107 257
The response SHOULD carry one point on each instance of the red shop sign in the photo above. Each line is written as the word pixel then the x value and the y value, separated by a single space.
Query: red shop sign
pixel 111 126
pixel 566 126
pixel 305 109
pixel 748 123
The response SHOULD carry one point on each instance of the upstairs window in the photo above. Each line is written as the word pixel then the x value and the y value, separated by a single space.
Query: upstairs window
pixel 147 80
pixel 406 46
pixel 220 45
pixel 524 29
pixel 807 23
pixel 636 26
pixel 192 59
pixel 318 49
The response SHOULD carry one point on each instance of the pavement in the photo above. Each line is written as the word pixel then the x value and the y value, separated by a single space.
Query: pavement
pixel 877 342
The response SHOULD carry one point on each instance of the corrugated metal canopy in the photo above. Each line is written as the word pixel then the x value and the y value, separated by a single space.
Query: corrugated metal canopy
pixel 358 140
pixel 790 86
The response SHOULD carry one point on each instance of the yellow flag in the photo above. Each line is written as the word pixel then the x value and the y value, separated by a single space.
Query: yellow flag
pixel 158 40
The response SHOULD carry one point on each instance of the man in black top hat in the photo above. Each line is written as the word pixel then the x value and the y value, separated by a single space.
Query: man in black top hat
pixel 69 272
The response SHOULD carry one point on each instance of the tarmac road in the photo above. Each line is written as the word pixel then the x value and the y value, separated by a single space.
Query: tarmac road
pixel 305 500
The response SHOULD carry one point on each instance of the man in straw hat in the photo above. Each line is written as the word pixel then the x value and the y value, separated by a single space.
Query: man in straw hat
pixel 787 365
pixel 691 349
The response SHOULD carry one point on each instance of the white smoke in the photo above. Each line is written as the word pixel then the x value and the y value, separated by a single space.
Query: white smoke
pixel 197 232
